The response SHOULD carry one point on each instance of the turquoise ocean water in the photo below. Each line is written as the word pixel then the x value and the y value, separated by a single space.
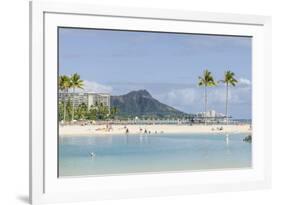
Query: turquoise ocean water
pixel 121 154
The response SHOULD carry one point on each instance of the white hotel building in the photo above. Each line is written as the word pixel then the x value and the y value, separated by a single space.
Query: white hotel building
pixel 88 98
pixel 211 114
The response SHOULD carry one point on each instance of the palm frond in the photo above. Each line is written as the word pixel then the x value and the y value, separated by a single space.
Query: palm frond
pixel 229 78
pixel 76 82
pixel 206 79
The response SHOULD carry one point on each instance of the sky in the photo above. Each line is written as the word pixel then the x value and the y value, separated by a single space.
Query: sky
pixel 165 64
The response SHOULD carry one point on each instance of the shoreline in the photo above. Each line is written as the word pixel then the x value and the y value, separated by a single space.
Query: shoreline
pixel 101 130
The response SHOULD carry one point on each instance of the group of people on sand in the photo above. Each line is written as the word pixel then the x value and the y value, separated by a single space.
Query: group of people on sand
pixel 217 128
pixel 142 131
pixel 108 128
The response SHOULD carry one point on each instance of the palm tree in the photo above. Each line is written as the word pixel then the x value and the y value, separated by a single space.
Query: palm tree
pixel 206 80
pixel 81 111
pixel 113 112
pixel 229 80
pixel 64 85
pixel 75 82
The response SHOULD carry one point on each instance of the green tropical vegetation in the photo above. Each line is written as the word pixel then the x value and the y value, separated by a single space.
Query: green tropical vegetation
pixel 229 80
pixel 206 80
pixel 64 85
pixel 81 112
pixel 67 111
pixel 75 82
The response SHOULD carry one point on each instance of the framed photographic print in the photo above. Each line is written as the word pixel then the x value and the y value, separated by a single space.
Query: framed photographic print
pixel 129 102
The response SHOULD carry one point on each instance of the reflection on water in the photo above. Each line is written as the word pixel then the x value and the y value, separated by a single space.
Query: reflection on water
pixel 151 153
pixel 227 139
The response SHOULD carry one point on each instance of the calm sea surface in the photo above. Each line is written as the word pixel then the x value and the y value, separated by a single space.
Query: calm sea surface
pixel 151 153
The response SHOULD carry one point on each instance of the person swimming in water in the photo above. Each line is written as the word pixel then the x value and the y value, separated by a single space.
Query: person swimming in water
pixel 92 154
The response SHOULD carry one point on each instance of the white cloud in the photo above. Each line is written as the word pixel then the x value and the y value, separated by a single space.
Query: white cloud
pixel 236 95
pixel 244 81
pixel 187 98
pixel 181 98
pixel 91 86
pixel 217 95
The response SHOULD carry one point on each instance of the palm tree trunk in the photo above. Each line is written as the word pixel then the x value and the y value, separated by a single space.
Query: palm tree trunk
pixel 73 104
pixel 226 104
pixel 64 106
pixel 205 114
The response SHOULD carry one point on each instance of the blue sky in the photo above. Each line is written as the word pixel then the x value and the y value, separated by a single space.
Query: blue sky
pixel 165 64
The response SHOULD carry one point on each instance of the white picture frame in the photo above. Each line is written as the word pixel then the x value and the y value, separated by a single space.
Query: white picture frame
pixel 46 187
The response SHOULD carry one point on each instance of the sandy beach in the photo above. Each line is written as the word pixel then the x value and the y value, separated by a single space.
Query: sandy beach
pixel 94 130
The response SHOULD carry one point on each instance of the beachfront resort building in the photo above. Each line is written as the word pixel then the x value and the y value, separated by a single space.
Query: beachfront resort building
pixel 210 114
pixel 88 98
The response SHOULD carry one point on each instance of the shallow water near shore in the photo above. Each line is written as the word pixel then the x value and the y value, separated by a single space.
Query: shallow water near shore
pixel 121 154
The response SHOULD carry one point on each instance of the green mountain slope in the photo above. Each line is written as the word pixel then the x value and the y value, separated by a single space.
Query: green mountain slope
pixel 140 103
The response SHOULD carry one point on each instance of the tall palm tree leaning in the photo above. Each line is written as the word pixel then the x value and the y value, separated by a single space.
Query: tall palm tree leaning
pixel 206 80
pixel 75 82
pixel 64 85
pixel 229 80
